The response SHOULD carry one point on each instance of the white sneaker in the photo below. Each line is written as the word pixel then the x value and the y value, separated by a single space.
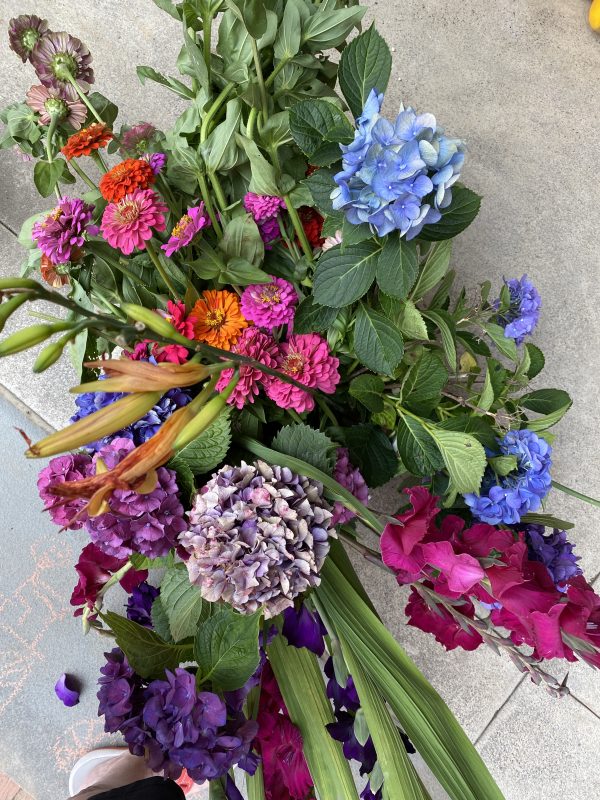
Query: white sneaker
pixel 78 779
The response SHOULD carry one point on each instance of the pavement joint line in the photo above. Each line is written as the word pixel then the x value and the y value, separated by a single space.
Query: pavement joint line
pixel 7 227
pixel 585 705
pixel 27 412
pixel 499 709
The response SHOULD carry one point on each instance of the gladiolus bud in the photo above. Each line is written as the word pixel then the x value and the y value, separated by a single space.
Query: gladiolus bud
pixel 102 423
pixel 29 337
pixel 8 307
pixel 154 322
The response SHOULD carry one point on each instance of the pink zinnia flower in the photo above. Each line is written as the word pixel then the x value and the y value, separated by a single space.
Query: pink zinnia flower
pixel 178 317
pixel 130 222
pixel 269 305
pixel 263 206
pixel 63 230
pixel 350 478
pixel 306 358
pixel 261 347
pixel 269 231
pixel 62 101
pixel 57 55
pixel 143 351
pixel 186 229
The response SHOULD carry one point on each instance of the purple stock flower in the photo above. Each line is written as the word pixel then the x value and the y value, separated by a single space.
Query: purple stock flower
pixel 139 603
pixel 138 523
pixel 195 220
pixel 71 467
pixel 24 32
pixel 521 317
pixel 258 537
pixel 302 628
pixel 554 551
pixel 269 305
pixel 263 206
pixel 156 160
pixel 350 478
pixel 56 56
pixel 63 231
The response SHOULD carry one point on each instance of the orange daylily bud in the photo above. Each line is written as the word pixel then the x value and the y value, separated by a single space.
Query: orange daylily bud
pixel 125 375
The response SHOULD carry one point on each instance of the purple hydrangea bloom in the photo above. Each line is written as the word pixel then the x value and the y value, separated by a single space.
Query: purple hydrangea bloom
pixel 506 499
pixel 71 467
pixel 57 55
pixel 303 628
pixel 139 603
pixel 156 160
pixel 138 523
pixel 269 305
pixel 258 537
pixel 350 478
pixel 119 691
pixel 521 317
pixel 24 32
pixel 262 206
pixel 554 551
pixel 64 229
pixel 397 176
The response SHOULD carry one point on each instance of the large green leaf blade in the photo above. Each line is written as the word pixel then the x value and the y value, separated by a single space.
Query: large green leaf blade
pixel 463 456
pixel 343 278
pixel 181 602
pixel 366 64
pixel 226 648
pixel 459 215
pixel 378 343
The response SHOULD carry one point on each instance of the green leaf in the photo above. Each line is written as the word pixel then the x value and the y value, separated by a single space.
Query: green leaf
pixel 148 654
pixel 434 269
pixel 366 64
pixel 506 345
pixel 371 451
pixel 327 29
pixel 397 267
pixel 378 344
pixel 321 185
pixel 160 621
pixel 417 449
pixel 310 123
pixel 548 520
pixel 411 322
pixel 105 108
pixel 486 398
pixel 424 383
pixel 301 682
pixel 302 441
pixel 226 648
pixel 503 465
pixel 264 178
pixel 289 36
pixel 368 390
pixel 46 175
pixel 252 13
pixel 143 562
pixel 22 123
pixel 545 401
pixel 208 449
pixel 479 427
pixel 242 239
pixel 148 73
pixel 182 603
pixel 25 237
pixel 220 151
pixel 169 7
pixel 243 273
pixel 354 234
pixel 445 323
pixel 463 456
pixel 459 215
pixel 343 278
pixel 537 361
pixel 312 318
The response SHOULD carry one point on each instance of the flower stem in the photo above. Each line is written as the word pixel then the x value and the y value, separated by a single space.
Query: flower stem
pixel 49 150
pixel 206 41
pixel 84 98
pixel 99 161
pixel 213 110
pixel 586 499
pixel 219 193
pixel 84 177
pixel 261 81
pixel 298 227
pixel 284 62
pixel 205 191
pixel 155 258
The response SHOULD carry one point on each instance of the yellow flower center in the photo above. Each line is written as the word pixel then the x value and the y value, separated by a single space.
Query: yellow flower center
pixel 293 364
pixel 215 318
pixel 127 211
pixel 181 226
pixel 269 294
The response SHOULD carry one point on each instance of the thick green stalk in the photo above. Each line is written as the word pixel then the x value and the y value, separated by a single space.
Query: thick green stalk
pixel 155 258
pixel 49 150
pixel 299 228
pixel 213 110
pixel 261 81
pixel 206 196
pixel 83 175
pixel 84 97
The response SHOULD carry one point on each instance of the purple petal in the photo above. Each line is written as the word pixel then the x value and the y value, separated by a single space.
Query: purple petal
pixel 69 696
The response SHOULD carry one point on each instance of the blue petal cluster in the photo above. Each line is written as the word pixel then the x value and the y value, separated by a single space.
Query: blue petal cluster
pixel 554 551
pixel 397 176
pixel 523 314
pixel 507 499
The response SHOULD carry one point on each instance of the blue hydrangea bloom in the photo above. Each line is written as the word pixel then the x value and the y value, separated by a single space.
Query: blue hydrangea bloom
pixel 554 551
pixel 523 313
pixel 397 176
pixel 506 499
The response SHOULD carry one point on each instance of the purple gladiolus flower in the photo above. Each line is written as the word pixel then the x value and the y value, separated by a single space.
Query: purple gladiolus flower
pixel 65 691
pixel 302 628
pixel 63 231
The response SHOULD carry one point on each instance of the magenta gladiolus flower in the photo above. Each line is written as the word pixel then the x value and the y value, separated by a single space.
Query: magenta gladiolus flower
pixel 259 346
pixel 56 56
pixel 269 305
pixel 306 358
pixel 442 624
pixel 63 231
pixel 128 224
pixel 263 206
pixel 186 229
pixel 61 101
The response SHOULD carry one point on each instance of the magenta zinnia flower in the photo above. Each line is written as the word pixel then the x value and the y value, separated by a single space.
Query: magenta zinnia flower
pixel 269 231
pixel 58 55
pixel 136 140
pixel 269 305
pixel 64 229
pixel 179 318
pixel 350 478
pixel 132 221
pixel 263 206
pixel 24 32
pixel 186 229
pixel 306 358
pixel 60 101
pixel 261 347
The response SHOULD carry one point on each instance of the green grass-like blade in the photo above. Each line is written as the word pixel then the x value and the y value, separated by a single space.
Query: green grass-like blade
pixel 303 690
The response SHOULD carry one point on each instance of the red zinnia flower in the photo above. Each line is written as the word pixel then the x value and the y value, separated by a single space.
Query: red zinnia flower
pixel 95 136
pixel 131 174
pixel 312 222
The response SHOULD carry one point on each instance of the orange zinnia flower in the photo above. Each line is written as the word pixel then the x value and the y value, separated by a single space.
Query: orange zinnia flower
pixel 95 136
pixel 217 319
pixel 50 275
pixel 133 173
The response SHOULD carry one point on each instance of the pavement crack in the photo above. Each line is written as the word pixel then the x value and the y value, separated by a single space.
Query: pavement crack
pixel 8 228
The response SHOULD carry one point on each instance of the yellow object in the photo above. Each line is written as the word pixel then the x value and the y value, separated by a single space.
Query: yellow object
pixel 594 16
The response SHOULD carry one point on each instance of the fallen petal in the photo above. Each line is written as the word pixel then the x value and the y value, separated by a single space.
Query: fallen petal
pixel 69 696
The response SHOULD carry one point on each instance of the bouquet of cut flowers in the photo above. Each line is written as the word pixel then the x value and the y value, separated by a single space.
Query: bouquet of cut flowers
pixel 261 310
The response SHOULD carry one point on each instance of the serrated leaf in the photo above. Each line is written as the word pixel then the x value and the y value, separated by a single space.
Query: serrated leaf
pixel 321 185
pixel 411 322
pixel 160 621
pixel 368 390
pixel 354 234
pixel 208 449
pixel 423 384
pixel 182 603
pixel 459 215
pixel 143 562
pixel 433 270
pixel 310 317
pixel 343 278
pixel 503 465
pixel 302 441
pixel 463 456
pixel 371 451
pixel 486 398
pixel 443 321
pixel 366 64
pixel 416 447
pixel 226 648
pixel 545 401
pixel 397 267
pixel 479 427
pixel 537 361
pixel 506 345
pixel 310 123
pixel 378 343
